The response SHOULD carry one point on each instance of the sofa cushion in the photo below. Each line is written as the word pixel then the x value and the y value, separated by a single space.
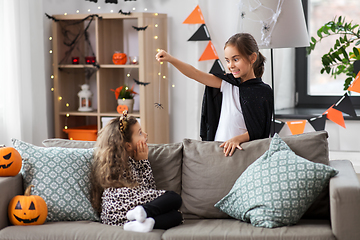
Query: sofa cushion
pixel 277 188
pixel 234 229
pixel 207 175
pixel 79 230
pixel 61 177
pixel 165 160
pixel 66 143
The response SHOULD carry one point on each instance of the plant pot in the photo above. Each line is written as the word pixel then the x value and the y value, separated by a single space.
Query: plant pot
pixel 128 102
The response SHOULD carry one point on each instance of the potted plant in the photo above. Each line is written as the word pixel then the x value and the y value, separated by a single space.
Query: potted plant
pixel 341 57
pixel 125 96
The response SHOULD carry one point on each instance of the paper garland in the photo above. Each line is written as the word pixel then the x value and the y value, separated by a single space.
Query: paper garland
pixel 202 34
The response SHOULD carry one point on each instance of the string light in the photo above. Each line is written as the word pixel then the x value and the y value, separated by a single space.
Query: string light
pixel 156 25
pixel 77 11
pixel 128 75
pixel 52 89
pixel 60 98
pixel 88 10
pixel 173 85
pixel 156 37
pixel 50 38
pixel 66 127
pixel 145 9
pixel 50 51
pixel 156 14
pixel 99 7
pixel 111 11
pixel 134 9
pixel 52 76
pixel 65 14
pixel 67 104
pixel 67 115
pixel 164 77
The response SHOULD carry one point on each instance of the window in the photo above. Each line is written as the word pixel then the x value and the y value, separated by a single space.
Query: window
pixel 313 89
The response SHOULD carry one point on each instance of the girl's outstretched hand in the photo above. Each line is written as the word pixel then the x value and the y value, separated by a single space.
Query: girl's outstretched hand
pixel 163 56
pixel 142 151
pixel 234 143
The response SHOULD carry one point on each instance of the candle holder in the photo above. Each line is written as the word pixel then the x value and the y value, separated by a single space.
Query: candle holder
pixel 75 60
pixel 90 59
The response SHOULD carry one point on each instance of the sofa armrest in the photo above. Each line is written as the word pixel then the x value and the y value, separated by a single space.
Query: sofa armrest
pixel 345 201
pixel 10 187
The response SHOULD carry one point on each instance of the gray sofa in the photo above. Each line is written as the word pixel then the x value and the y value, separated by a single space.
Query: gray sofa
pixel 202 175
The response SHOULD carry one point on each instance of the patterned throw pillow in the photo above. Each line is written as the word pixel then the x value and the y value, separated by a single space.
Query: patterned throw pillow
pixel 277 188
pixel 61 177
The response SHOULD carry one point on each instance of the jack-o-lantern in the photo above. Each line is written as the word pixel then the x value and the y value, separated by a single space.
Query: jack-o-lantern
pixel 27 209
pixel 119 58
pixel 121 108
pixel 10 161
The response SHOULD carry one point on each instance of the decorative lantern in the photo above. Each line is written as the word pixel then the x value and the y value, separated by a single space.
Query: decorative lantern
pixel 85 98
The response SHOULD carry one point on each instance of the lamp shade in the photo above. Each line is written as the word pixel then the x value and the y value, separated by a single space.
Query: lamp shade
pixel 274 23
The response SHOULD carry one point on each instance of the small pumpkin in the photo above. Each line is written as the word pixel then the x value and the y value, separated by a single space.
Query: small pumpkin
pixel 119 58
pixel 121 108
pixel 10 161
pixel 27 209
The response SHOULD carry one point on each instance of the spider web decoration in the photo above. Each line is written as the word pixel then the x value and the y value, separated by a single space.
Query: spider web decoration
pixel 248 11
pixel 73 32
pixel 158 104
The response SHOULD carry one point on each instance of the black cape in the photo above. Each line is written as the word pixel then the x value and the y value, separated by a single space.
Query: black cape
pixel 256 100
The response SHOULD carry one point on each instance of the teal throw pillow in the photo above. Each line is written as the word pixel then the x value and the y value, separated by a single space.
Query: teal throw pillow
pixel 61 177
pixel 277 189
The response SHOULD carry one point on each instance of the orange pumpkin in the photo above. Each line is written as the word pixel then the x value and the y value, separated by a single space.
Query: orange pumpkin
pixel 121 108
pixel 10 162
pixel 119 58
pixel 27 209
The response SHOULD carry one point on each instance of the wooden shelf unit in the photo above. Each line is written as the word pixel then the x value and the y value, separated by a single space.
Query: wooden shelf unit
pixel 110 36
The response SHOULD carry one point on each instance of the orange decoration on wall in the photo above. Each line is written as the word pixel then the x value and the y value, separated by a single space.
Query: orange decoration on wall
pixel 336 116
pixel 355 86
pixel 296 127
pixel 121 108
pixel 195 17
pixel 209 53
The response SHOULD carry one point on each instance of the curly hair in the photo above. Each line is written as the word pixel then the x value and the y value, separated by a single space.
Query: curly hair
pixel 110 167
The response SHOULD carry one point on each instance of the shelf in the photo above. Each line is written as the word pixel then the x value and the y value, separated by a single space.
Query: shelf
pixel 118 66
pixel 77 113
pixel 76 66
pixel 109 114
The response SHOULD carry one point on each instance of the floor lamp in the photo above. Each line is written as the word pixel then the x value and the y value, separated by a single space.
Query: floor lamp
pixel 274 24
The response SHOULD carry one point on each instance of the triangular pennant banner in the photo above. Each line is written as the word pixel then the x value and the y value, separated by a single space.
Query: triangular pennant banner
pixel 209 53
pixel 202 34
pixel 296 127
pixel 335 116
pixel 355 85
pixel 318 123
pixel 195 17
pixel 217 67
pixel 345 105
pixel 278 126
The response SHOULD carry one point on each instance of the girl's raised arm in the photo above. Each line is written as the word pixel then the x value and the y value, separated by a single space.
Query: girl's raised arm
pixel 189 71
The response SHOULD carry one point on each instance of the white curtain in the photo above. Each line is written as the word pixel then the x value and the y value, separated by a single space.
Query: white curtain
pixel 22 79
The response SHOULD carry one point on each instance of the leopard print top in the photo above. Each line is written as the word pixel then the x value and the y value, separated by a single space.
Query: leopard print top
pixel 116 202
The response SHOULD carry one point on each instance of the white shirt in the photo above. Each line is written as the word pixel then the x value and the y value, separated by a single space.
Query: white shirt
pixel 231 121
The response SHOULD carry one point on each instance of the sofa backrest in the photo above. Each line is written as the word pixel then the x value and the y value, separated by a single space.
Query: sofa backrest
pixel 207 175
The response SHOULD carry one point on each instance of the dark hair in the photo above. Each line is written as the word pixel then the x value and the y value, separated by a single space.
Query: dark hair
pixel 246 45
pixel 110 167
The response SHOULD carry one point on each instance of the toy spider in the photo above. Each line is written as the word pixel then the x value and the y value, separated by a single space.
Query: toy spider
pixel 243 15
pixel 159 105
pixel 266 28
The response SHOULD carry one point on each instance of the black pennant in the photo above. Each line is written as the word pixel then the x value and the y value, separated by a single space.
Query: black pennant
pixel 345 105
pixel 202 34
pixel 217 67
pixel 140 83
pixel 318 123
pixel 278 126
pixel 111 1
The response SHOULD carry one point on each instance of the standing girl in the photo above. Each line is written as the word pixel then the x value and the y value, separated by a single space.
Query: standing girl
pixel 123 189
pixel 244 108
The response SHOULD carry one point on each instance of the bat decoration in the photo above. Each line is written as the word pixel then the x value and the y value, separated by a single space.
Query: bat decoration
pixel 124 13
pixel 140 83
pixel 111 1
pixel 140 28
pixel 51 17
pixel 159 105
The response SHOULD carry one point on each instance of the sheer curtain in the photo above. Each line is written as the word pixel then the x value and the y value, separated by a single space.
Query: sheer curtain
pixel 22 80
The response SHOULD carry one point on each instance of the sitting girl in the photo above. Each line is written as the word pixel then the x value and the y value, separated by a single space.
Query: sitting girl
pixel 123 189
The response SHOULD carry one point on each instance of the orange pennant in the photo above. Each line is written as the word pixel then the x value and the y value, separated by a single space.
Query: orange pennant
pixel 296 127
pixel 355 86
pixel 336 116
pixel 209 53
pixel 195 17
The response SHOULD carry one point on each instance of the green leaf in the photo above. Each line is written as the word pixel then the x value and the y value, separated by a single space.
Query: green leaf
pixel 347 83
pixel 336 55
pixel 325 30
pixel 357 43
pixel 319 34
pixel 342 49
pixel 313 39
pixel 356 51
